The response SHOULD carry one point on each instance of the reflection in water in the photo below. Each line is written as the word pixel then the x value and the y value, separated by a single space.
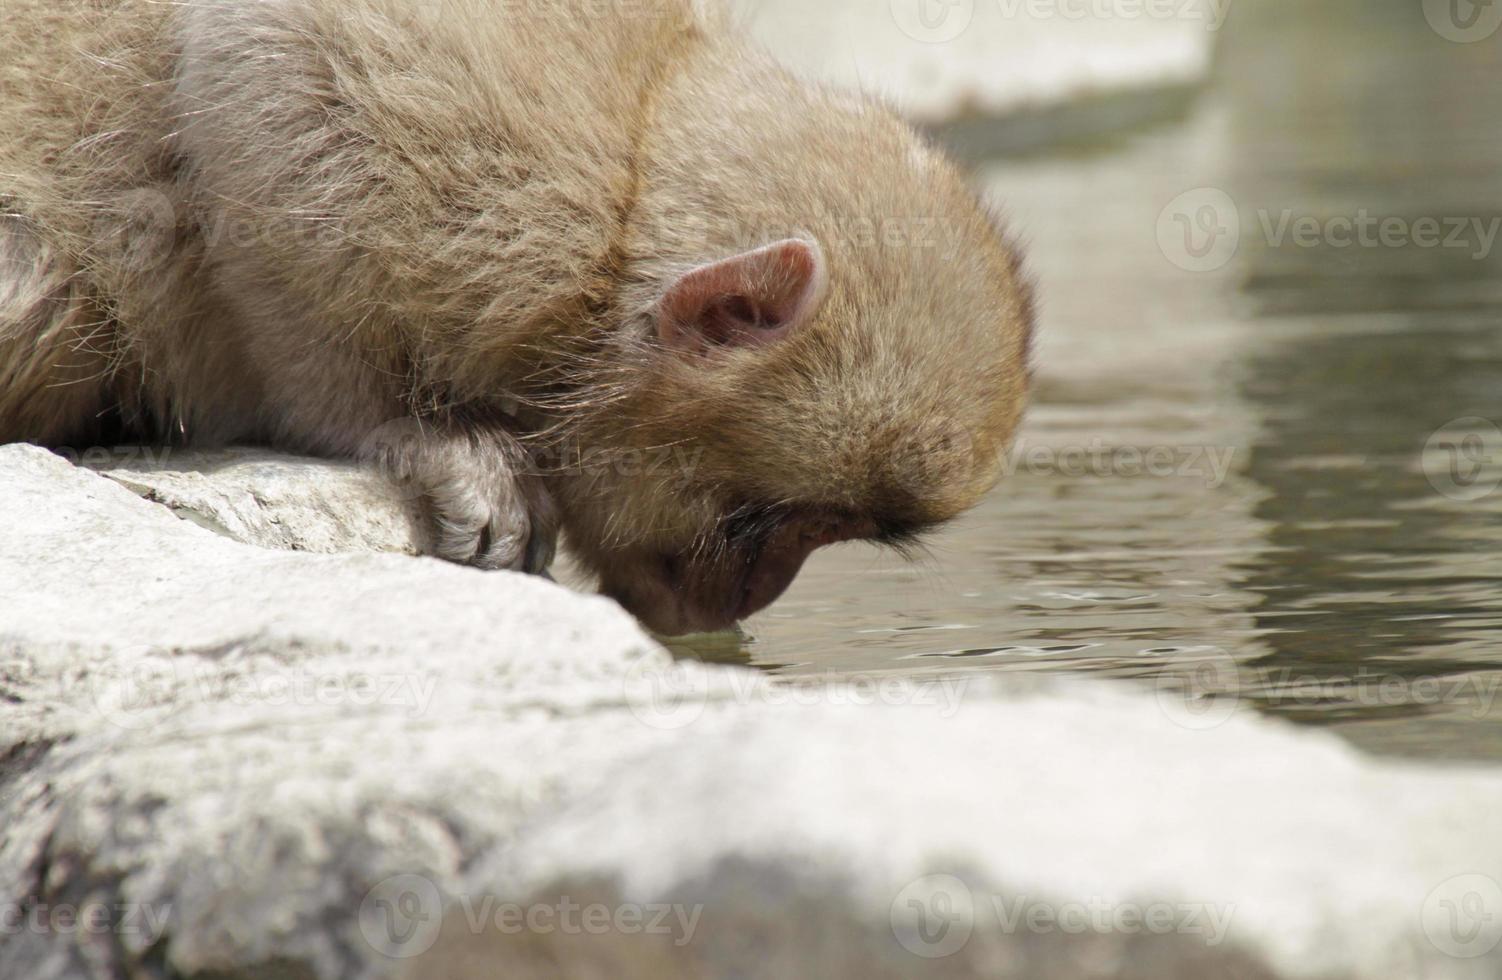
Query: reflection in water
pixel 1225 477
pixel 1374 575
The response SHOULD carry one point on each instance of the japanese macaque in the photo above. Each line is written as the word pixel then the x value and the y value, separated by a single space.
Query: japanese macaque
pixel 580 266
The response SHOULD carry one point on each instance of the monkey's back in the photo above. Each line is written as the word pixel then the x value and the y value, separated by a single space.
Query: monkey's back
pixel 194 193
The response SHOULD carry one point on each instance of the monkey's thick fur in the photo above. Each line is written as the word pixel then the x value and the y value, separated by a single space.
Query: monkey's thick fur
pixel 585 266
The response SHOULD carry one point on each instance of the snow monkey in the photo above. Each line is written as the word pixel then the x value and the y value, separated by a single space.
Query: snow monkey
pixel 597 268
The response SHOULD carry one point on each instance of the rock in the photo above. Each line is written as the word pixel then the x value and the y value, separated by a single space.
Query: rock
pixel 236 737
pixel 237 762
pixel 944 59
pixel 274 501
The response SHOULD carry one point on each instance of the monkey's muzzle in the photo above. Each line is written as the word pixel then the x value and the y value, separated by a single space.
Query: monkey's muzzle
pixel 752 570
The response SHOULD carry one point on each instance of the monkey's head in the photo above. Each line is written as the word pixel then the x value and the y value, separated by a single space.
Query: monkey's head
pixel 820 336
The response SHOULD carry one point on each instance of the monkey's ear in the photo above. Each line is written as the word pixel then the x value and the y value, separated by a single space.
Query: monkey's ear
pixel 745 301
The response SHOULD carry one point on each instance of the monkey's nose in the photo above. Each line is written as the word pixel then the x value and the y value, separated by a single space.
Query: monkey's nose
pixel 782 558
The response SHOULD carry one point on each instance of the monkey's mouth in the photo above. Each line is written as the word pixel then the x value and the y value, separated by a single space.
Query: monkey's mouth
pixel 754 561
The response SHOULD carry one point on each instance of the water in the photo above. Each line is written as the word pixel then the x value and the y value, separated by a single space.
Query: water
pixel 1289 549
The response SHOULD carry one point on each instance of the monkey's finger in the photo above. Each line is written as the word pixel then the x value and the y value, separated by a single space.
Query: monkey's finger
pixel 503 543
pixel 466 543
pixel 500 550
pixel 542 549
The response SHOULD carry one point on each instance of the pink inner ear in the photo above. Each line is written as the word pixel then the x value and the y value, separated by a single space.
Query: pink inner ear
pixel 750 299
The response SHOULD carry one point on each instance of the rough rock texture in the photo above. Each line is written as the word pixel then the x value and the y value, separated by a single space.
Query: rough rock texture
pixel 274 501
pixel 223 761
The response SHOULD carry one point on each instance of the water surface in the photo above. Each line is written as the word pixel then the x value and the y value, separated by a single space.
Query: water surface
pixel 1224 482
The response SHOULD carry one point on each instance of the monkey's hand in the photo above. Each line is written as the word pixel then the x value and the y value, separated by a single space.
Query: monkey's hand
pixel 488 503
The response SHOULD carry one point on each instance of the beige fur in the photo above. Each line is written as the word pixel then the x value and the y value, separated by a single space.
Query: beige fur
pixel 293 221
